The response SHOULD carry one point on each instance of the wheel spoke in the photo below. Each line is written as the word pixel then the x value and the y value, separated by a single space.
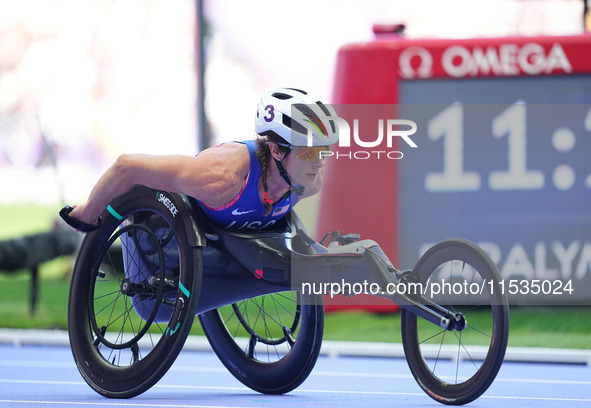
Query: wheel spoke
pixel 439 351
pixel 480 331
pixel 271 320
pixel 466 350
pixel 111 303
pixel 433 336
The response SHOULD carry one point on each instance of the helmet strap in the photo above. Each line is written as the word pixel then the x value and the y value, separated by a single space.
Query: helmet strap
pixel 283 173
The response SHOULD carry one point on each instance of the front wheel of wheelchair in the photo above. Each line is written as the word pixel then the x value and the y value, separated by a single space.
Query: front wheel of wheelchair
pixel 456 366
pixel 270 343
pixel 133 294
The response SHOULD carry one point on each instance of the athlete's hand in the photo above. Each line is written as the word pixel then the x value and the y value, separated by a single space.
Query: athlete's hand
pixel 78 219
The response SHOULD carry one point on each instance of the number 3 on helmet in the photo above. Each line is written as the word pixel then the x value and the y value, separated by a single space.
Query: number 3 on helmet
pixel 297 116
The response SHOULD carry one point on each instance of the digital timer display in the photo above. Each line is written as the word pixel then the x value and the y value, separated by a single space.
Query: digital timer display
pixel 503 156
pixel 514 177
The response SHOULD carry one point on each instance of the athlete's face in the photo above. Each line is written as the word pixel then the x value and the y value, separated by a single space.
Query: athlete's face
pixel 303 165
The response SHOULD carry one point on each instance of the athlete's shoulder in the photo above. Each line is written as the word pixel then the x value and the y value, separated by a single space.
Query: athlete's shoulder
pixel 230 157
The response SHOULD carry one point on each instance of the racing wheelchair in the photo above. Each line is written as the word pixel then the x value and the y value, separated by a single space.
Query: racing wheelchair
pixel 155 263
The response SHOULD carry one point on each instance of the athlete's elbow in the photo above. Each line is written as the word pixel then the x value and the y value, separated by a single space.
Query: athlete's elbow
pixel 123 162
pixel 122 170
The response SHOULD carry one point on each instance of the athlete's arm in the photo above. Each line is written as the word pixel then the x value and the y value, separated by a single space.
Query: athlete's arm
pixel 215 177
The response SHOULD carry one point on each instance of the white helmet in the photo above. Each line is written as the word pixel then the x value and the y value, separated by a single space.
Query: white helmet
pixel 292 114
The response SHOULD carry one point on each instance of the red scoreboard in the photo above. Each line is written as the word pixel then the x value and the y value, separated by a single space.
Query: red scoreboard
pixel 503 153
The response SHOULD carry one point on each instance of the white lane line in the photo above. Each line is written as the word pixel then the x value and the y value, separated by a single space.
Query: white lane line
pixel 82 383
pixel 424 395
pixel 410 377
pixel 116 404
pixel 538 398
pixel 40 382
pixel 207 387
pixel 543 381
pixel 320 373
pixel 70 365
pixel 36 364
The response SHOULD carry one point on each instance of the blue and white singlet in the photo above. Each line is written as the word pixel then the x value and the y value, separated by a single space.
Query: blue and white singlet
pixel 245 211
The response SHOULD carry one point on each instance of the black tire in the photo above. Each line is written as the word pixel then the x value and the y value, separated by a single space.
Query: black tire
pixel 270 343
pixel 435 355
pixel 133 294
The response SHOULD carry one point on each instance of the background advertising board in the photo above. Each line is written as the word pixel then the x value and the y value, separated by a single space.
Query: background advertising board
pixel 503 157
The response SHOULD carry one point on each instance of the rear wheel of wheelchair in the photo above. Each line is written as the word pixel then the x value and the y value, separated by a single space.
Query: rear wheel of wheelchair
pixel 455 366
pixel 133 295
pixel 270 343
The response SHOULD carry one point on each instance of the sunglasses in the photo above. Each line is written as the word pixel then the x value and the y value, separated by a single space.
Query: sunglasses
pixel 311 153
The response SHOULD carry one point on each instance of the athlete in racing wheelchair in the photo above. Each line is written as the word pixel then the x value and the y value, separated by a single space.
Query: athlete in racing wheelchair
pixel 171 237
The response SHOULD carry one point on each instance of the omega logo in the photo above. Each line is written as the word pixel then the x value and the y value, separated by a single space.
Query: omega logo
pixel 501 60
pixel 424 69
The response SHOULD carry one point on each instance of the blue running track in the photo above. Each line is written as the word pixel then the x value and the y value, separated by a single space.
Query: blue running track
pixel 32 376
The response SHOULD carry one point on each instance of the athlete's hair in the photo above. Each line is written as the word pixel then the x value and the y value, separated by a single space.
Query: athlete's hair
pixel 263 155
